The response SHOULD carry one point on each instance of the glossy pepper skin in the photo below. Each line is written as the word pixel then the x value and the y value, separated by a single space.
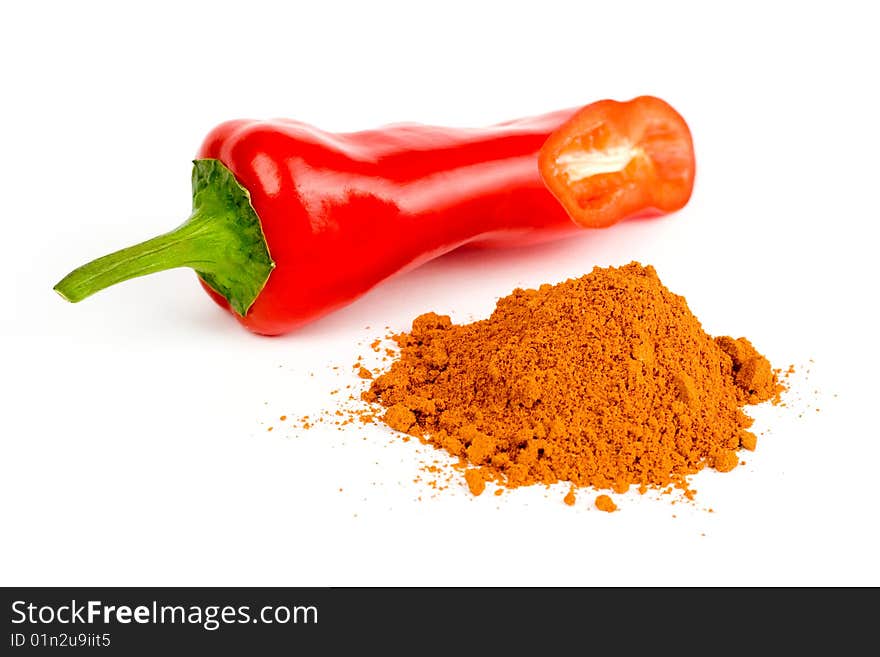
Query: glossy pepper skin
pixel 291 222
pixel 342 212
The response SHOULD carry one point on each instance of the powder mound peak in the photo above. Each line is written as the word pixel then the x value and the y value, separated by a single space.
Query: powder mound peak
pixel 606 380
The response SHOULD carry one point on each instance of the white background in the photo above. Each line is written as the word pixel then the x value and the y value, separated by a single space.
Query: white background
pixel 135 448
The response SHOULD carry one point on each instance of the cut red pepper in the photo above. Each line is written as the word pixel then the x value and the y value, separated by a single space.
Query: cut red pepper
pixel 290 222
pixel 614 160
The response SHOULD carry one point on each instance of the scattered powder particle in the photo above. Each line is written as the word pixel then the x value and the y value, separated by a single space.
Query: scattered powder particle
pixel 605 503
pixel 364 373
pixel 605 381
pixel 475 481
pixel 282 418
pixel 570 497
pixel 270 428
pixel 748 440
pixel 499 491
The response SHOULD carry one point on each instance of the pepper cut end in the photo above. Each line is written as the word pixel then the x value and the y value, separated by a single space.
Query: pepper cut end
pixel 614 160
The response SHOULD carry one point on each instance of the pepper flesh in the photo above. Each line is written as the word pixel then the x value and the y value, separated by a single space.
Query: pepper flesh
pixel 611 160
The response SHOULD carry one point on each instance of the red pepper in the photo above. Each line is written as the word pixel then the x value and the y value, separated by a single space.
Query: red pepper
pixel 290 222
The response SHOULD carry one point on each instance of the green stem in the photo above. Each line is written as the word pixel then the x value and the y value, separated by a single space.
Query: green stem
pixel 222 240
pixel 185 246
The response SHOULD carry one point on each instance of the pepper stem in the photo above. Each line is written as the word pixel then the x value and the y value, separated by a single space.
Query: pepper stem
pixel 222 241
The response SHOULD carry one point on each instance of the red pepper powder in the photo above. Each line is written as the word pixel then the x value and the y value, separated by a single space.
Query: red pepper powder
pixel 603 381
pixel 606 504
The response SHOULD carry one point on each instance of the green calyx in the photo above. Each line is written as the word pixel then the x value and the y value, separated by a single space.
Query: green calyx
pixel 222 241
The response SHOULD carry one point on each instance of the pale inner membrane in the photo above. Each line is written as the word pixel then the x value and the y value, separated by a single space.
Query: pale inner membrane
pixel 578 165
